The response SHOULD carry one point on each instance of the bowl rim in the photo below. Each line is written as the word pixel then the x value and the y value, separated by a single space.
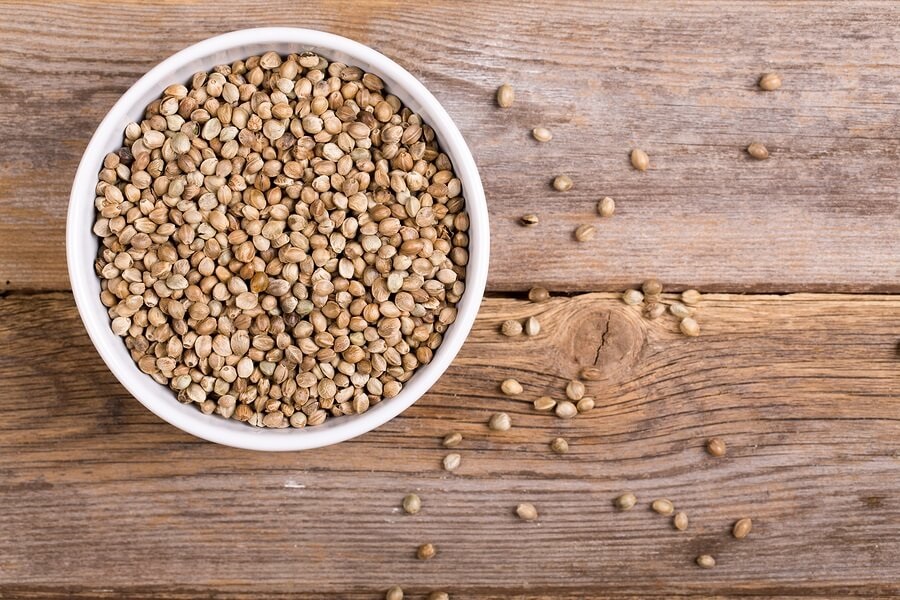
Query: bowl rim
pixel 159 399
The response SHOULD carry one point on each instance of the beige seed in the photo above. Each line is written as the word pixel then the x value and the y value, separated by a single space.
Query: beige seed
pixel 451 462
pixel 438 596
pixel 680 310
pixel 566 409
pixel 758 151
pixel 529 220
pixel 663 507
pixel 544 403
pixel 689 327
pixel 527 511
pixel 451 440
pixel 559 445
pixel 770 82
pixel 626 501
pixel 585 405
pixel 639 159
pixel 538 294
pixel 690 297
pixel 654 310
pixel 632 297
pixel 541 134
pixel 575 390
pixel 500 422
pixel 511 387
pixel 246 300
pixel 716 447
pixel 705 561
pixel 394 593
pixel 652 287
pixel 426 551
pixel 532 326
pixel 511 328
pixel 585 233
pixel 680 521
pixel 505 96
pixel 742 528
pixel 412 504
pixel 562 183
pixel 606 207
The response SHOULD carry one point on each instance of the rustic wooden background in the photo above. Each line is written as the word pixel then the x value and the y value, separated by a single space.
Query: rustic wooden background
pixel 799 374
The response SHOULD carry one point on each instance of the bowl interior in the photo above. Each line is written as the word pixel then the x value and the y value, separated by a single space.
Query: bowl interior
pixel 82 245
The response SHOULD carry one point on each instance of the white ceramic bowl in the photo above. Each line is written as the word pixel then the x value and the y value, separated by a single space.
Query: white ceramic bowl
pixel 82 245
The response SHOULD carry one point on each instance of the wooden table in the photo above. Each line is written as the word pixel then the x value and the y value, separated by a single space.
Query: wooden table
pixel 796 368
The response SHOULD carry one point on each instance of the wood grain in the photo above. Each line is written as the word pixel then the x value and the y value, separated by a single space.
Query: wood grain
pixel 678 81
pixel 101 499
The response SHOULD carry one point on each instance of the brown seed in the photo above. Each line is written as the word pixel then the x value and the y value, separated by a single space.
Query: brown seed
pixel 758 151
pixel 426 551
pixel 412 504
pixel 663 507
pixel 770 82
pixel 626 501
pixel 654 310
pixel 451 440
pixel 559 445
pixel 705 561
pixel 591 374
pixel 562 183
pixel 689 327
pixel 505 96
pixel 538 294
pixel 584 233
pixel 529 220
pixel 527 512
pixel 532 326
pixel 500 422
pixel 639 159
pixel 652 287
pixel 544 403
pixel 606 207
pixel 680 521
pixel 716 446
pixel 690 297
pixel 742 528
pixel 451 462
pixel 541 134
pixel 394 593
pixel 566 409
pixel 511 328
pixel 585 405
pixel 632 297
pixel 511 387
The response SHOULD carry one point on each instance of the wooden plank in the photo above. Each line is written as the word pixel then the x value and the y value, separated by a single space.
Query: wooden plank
pixel 101 499
pixel 820 215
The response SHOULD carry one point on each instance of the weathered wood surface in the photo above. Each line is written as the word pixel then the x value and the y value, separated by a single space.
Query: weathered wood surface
pixel 677 80
pixel 101 499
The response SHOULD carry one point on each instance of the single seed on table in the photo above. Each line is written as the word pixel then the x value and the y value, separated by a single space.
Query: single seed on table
pixel 529 220
pixel 505 96
pixel 566 409
pixel 654 310
pixel 770 82
pixel 538 294
pixel 680 310
pixel 452 439
pixel 652 287
pixel 426 551
pixel 541 134
pixel 544 403
pixel 559 445
pixel 532 326
pixel 584 233
pixel 451 462
pixel 562 183
pixel 511 328
pixel 742 528
pixel 663 507
pixel 715 446
pixel 511 387
pixel 527 511
pixel 626 501
pixel 689 327
pixel 639 159
pixel 705 561
pixel 591 373
pixel 632 297
pixel 438 596
pixel 575 390
pixel 680 521
pixel 606 207
pixel 394 593
pixel 412 504
pixel 758 151
pixel 500 422
pixel 690 297
pixel 585 405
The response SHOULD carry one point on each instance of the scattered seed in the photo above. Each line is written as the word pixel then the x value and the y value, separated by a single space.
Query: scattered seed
pixel 394 593
pixel 511 328
pixel 575 390
pixel 639 159
pixel 538 294
pixel 451 462
pixel 770 82
pixel 526 511
pixel 680 310
pixel 559 445
pixel 412 504
pixel 505 96
pixel 591 374
pixel 453 439
pixel 500 422
pixel 652 287
pixel 544 403
pixel 584 233
pixel 626 501
pixel 542 134
pixel 690 297
pixel 663 507
pixel 566 409
pixel 716 447
pixel 511 387
pixel 705 561
pixel 426 551
pixel 690 327
pixel 532 326
pixel 680 521
pixel 742 528
pixel 758 151
pixel 585 405
pixel 654 310
pixel 562 183
pixel 529 220
pixel 606 207
pixel 438 596
pixel 632 297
